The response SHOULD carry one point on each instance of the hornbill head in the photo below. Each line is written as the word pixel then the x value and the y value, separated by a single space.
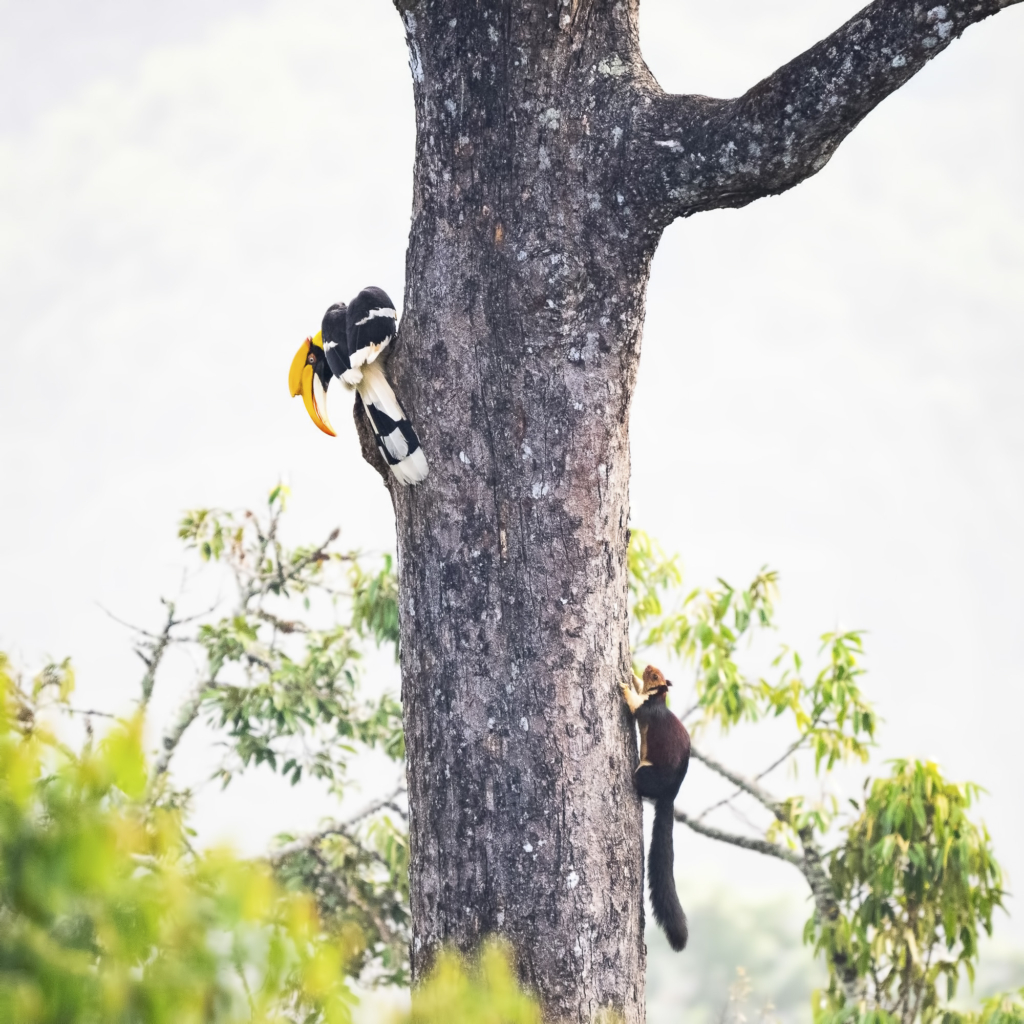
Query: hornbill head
pixel 319 358
pixel 309 376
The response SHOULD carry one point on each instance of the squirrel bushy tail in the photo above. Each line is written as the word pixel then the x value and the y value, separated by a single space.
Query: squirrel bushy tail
pixel 661 878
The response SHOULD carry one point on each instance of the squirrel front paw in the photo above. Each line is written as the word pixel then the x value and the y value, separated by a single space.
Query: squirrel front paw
pixel 630 694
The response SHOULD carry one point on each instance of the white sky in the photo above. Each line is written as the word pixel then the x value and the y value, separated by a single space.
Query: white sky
pixel 831 383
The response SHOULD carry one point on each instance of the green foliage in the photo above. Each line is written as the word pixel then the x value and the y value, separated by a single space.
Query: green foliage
pixel 483 992
pixel 105 915
pixel 287 694
pixel 375 603
pixel 916 881
pixel 830 712
pixel 1006 1008
pixel 280 678
pixel 704 630
pixel 910 880
pixel 360 879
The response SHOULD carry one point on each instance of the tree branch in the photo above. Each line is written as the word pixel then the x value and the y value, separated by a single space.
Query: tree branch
pixel 187 714
pixel 343 827
pixel 811 864
pixel 761 795
pixel 706 154
pixel 152 648
pixel 157 648
pixel 791 749
pixel 764 846
pixel 827 908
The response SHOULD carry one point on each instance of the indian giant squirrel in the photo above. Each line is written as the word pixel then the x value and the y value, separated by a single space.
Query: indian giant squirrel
pixel 664 758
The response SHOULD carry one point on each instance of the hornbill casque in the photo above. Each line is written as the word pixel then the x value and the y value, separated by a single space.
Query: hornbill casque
pixel 350 344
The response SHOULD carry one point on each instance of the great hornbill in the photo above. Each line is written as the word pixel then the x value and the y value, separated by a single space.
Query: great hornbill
pixel 348 344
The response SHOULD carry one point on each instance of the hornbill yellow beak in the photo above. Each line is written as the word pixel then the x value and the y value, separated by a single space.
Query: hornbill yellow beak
pixel 308 376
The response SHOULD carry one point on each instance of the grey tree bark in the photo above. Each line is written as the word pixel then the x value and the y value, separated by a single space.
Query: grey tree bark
pixel 548 163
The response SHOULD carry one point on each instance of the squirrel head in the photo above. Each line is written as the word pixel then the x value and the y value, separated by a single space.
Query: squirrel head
pixel 654 681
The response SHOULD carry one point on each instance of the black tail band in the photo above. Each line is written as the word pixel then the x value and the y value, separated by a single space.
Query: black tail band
pixel 383 425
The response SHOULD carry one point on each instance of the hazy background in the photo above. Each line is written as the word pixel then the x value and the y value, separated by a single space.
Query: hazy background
pixel 181 196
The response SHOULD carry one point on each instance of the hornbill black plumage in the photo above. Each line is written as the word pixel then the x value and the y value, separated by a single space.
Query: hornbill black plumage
pixel 349 345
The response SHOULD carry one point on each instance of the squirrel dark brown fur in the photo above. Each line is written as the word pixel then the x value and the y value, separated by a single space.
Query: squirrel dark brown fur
pixel 664 758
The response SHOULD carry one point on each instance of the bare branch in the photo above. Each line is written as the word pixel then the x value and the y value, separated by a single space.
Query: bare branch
pixel 738 814
pixel 725 801
pixel 186 715
pixel 146 632
pixel 156 653
pixel 90 713
pixel 343 827
pixel 282 625
pixel 764 846
pixel 689 711
pixel 151 650
pixel 259 586
pixel 126 624
pixel 705 154
pixel 790 750
pixel 760 794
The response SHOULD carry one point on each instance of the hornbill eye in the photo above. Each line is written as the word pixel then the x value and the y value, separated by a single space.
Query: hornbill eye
pixel 304 380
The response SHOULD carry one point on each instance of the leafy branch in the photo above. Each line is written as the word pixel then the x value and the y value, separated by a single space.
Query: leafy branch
pixel 280 680
pixel 902 890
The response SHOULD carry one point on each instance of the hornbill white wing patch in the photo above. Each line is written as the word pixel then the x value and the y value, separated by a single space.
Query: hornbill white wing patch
pixel 368 353
pixel 372 323
pixel 371 349
pixel 377 312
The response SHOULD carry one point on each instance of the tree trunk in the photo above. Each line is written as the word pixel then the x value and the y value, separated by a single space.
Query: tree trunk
pixel 548 162
pixel 526 281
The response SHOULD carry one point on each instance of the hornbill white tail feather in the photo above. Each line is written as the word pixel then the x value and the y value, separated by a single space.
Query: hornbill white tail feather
pixel 395 435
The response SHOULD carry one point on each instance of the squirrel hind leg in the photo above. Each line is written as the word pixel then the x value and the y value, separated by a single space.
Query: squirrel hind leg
pixel 654 783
